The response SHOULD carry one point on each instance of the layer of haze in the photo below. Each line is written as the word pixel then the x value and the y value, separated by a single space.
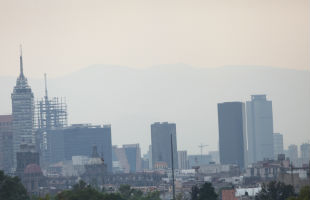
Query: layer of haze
pixel 153 39
pixel 63 36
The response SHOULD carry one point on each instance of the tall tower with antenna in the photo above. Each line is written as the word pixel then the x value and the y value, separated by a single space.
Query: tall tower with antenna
pixel 22 112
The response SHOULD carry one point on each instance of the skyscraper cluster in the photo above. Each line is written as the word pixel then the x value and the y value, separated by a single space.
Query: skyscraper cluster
pixel 246 131
pixel 246 134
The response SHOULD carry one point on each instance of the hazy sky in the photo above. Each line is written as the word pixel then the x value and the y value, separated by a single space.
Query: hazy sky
pixel 61 36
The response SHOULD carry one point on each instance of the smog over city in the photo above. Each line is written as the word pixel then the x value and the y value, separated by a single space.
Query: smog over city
pixel 154 100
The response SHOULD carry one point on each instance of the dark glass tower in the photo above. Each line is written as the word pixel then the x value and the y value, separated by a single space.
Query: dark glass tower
pixel 232 133
pixel 161 143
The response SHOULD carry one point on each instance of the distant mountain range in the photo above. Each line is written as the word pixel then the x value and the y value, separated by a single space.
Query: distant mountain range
pixel 131 99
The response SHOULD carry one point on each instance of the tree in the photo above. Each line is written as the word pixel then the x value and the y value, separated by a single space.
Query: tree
pixel 11 188
pixel 304 194
pixel 275 191
pixel 125 191
pixel 194 192
pixel 80 191
pixel 152 196
pixel 205 192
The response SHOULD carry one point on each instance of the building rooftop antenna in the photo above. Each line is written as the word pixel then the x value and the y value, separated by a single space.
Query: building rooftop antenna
pixel 45 85
pixel 21 61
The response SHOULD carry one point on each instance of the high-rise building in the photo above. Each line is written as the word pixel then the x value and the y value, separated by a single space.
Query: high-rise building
pixel 293 154
pixel 129 157
pixel 133 154
pixel 6 143
pixel 277 144
pixel 149 152
pixel 305 153
pixel 49 114
pixel 182 159
pixel 232 133
pixel 22 112
pixel 78 140
pixel 259 128
pixel 161 144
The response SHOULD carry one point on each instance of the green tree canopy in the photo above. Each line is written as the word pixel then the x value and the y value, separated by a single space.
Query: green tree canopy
pixel 205 192
pixel 11 188
pixel 304 194
pixel 275 191
pixel 82 191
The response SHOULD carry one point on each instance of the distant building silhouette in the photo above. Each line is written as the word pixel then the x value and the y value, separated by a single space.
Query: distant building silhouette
pixel 49 114
pixel 215 156
pixel 293 154
pixel 232 133
pixel 133 154
pixel 6 143
pixel 78 140
pixel 305 153
pixel 129 157
pixel 161 144
pixel 259 128
pixel 277 144
pixel 183 160
pixel 198 160
pixel 22 112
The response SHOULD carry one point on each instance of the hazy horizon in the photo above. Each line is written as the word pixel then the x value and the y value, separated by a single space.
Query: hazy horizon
pixel 132 98
pixel 60 37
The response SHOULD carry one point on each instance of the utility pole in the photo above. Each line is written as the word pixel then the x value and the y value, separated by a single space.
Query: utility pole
pixel 172 167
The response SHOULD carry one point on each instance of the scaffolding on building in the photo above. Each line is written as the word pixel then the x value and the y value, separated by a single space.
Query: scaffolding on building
pixel 51 113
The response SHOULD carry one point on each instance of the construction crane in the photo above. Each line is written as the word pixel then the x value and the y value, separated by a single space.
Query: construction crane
pixel 201 146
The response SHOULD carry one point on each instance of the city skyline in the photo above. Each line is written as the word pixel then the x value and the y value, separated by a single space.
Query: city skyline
pixel 213 146
pixel 154 100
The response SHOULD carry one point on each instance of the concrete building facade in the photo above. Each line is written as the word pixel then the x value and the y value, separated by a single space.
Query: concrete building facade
pixel 259 128
pixel 161 143
pixel 232 133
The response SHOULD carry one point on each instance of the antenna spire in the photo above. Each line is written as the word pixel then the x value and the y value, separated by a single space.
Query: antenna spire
pixel 21 61
pixel 45 85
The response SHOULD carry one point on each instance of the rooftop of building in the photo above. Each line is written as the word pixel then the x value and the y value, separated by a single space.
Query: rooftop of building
pixel 258 97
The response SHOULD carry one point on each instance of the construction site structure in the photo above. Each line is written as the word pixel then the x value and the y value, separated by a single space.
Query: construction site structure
pixel 51 113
